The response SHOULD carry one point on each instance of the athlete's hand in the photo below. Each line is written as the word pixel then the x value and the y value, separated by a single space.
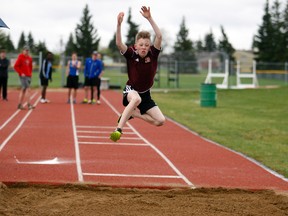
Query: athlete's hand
pixel 120 18
pixel 145 12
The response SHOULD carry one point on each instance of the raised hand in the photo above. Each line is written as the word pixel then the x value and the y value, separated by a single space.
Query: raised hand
pixel 120 17
pixel 145 11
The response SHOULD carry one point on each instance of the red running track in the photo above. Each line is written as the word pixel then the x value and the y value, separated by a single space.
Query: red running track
pixel 69 143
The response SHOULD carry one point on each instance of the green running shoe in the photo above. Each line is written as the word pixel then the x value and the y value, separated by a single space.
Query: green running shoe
pixel 116 135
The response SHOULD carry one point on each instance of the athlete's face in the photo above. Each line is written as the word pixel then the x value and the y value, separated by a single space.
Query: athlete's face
pixel 143 46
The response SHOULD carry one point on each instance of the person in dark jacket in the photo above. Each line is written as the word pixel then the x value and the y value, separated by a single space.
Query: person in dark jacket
pixel 4 64
pixel 46 75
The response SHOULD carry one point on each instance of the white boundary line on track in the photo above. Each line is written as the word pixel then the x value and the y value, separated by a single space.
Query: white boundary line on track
pixel 184 178
pixel 98 127
pixel 235 152
pixel 76 144
pixel 105 137
pixel 14 114
pixel 18 127
pixel 101 132
pixel 133 175
pixel 113 143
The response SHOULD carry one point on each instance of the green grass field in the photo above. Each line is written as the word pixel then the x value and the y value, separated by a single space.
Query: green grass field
pixel 251 121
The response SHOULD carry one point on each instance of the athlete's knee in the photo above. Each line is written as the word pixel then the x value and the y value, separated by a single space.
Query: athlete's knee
pixel 160 121
pixel 136 100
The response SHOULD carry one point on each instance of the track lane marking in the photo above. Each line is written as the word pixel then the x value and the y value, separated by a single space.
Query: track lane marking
pixel 107 137
pixel 132 175
pixel 14 114
pixel 184 178
pixel 76 144
pixel 3 144
pixel 113 143
pixel 101 132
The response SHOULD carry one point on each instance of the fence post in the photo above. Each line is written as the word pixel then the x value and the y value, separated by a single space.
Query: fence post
pixel 286 73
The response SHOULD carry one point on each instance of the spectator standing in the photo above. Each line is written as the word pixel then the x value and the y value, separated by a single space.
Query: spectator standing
pixel 23 66
pixel 72 72
pixel 92 72
pixel 46 75
pixel 4 64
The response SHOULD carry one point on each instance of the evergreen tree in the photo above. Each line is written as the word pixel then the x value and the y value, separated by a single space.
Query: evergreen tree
pixel 183 43
pixel 199 46
pixel 225 46
pixel 30 42
pixel 278 36
pixel 70 46
pixel 9 44
pixel 2 40
pixel 41 47
pixel 183 47
pixel 132 31
pixel 22 42
pixel 285 30
pixel 87 39
pixel 209 42
pixel 113 49
pixel 263 42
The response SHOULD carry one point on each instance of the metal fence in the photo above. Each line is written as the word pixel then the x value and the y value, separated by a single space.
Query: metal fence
pixel 170 74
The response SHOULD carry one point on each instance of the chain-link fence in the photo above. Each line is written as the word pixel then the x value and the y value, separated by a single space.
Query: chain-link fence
pixel 170 74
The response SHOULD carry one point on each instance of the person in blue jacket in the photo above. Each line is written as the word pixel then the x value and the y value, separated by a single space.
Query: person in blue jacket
pixel 92 72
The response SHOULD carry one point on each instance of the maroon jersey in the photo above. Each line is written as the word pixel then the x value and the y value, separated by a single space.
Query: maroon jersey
pixel 141 71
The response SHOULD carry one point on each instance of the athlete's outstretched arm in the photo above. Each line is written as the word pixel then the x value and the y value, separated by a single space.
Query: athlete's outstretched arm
pixel 121 46
pixel 147 14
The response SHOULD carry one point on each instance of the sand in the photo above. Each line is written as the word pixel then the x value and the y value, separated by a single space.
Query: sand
pixel 80 200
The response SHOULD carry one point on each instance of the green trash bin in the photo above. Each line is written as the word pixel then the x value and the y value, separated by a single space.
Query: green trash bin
pixel 208 95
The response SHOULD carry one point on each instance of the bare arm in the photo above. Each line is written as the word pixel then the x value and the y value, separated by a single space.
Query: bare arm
pixel 147 14
pixel 121 46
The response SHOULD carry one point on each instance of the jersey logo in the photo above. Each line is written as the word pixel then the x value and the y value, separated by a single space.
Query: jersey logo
pixel 147 60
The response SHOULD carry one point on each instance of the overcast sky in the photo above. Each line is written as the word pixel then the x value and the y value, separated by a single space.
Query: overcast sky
pixel 51 20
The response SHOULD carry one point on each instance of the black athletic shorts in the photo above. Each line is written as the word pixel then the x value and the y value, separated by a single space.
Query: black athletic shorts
pixel 90 81
pixel 72 82
pixel 146 101
pixel 44 81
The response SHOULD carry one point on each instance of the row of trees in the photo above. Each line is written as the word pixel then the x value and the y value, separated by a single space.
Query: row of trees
pixel 7 44
pixel 86 39
pixel 270 44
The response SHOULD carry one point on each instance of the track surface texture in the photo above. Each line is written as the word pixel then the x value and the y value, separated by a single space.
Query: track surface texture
pixel 58 160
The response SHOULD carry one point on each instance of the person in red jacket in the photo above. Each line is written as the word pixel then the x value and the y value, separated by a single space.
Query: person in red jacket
pixel 23 66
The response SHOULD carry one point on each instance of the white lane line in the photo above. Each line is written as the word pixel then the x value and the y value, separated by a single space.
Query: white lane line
pixel 101 132
pixel 76 144
pixel 99 127
pixel 106 137
pixel 132 175
pixel 185 179
pixel 113 143
pixel 18 127
pixel 14 114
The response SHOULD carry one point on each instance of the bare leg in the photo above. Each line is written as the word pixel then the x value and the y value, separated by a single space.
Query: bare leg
pixel 43 93
pixel 28 95
pixel 153 116
pixel 86 92
pixel 74 95
pixel 22 96
pixel 69 94
pixel 134 100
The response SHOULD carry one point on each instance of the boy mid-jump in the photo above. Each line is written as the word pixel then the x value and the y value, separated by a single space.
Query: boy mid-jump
pixel 141 65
